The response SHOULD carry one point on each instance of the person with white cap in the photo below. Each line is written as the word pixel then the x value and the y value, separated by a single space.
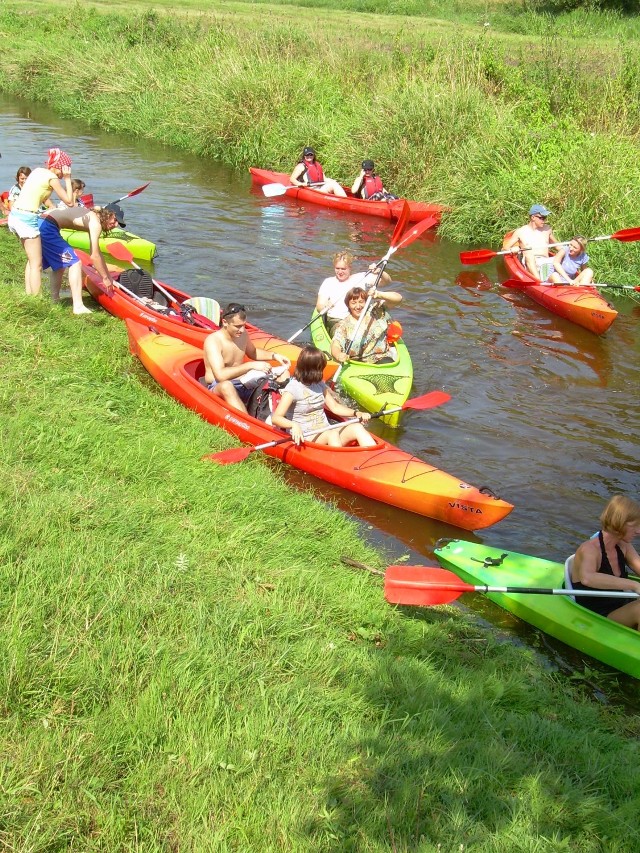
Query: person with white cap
pixel 24 216
pixel 533 241
pixel 308 172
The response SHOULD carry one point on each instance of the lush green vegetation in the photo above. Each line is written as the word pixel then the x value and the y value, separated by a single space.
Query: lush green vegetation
pixel 454 111
pixel 186 665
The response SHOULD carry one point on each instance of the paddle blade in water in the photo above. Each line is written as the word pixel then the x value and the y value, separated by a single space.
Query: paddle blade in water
pixel 422 586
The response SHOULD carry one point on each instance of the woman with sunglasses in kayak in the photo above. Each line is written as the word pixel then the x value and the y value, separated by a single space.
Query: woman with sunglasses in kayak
pixel 309 173
pixel 603 562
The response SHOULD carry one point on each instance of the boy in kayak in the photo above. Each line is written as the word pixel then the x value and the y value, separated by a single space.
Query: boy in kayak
pixel 334 289
pixel 58 254
pixel 533 241
pixel 369 186
pixel 309 172
pixel 601 562
pixel 228 373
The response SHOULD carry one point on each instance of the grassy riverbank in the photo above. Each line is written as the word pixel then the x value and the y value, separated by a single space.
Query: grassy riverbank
pixel 486 119
pixel 186 665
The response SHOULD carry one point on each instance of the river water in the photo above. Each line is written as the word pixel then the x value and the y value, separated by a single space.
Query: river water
pixel 542 411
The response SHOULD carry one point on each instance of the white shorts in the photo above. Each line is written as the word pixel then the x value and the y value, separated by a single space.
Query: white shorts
pixel 24 224
pixel 545 268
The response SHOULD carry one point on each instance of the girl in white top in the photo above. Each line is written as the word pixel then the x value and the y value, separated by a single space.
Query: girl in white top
pixel 24 216
pixel 302 406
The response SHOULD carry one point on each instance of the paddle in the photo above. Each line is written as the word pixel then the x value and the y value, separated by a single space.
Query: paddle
pixel 88 261
pixel 271 190
pixel 517 283
pixel 137 191
pixel 481 256
pixel 238 454
pixel 427 586
pixel 122 253
pixel 397 242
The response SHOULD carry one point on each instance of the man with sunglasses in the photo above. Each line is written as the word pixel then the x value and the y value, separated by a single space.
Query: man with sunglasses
pixel 234 366
pixel 533 241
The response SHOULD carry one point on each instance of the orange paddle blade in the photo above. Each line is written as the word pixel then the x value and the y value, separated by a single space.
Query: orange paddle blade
pixel 427 401
pixel 120 251
pixel 228 457
pixel 422 585
pixel 398 231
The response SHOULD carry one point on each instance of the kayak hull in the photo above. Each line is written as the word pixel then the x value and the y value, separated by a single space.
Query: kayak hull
pixel 125 307
pixel 556 615
pixel 372 386
pixel 350 204
pixel 383 472
pixel 140 248
pixel 582 305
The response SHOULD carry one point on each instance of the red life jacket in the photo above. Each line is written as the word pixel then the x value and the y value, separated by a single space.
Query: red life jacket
pixel 371 184
pixel 314 173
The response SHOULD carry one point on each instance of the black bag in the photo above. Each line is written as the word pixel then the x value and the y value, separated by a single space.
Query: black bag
pixel 264 400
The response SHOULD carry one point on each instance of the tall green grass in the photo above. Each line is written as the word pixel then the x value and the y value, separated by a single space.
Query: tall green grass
pixel 482 121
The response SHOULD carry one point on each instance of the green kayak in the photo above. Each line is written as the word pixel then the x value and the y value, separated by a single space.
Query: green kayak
pixel 140 248
pixel 372 386
pixel 557 615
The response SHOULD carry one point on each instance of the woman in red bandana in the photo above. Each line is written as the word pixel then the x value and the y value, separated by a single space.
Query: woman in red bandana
pixel 25 213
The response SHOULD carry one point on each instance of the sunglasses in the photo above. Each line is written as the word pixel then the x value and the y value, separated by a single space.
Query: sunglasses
pixel 234 309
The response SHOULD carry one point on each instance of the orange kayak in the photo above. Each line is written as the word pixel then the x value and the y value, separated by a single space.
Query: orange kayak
pixel 583 305
pixel 127 307
pixel 351 204
pixel 382 472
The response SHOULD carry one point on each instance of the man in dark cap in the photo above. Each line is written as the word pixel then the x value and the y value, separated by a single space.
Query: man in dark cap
pixel 369 186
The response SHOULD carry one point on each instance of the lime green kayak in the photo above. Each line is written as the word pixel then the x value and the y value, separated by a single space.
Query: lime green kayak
pixel 372 386
pixel 140 248
pixel 557 615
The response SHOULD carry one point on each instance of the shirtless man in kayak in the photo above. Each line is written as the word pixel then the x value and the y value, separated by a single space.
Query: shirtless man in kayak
pixel 533 241
pixel 58 254
pixel 228 374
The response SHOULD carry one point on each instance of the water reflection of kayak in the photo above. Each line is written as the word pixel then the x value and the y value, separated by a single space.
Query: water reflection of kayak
pixel 382 472
pixel 559 616
pixel 351 204
pixel 140 248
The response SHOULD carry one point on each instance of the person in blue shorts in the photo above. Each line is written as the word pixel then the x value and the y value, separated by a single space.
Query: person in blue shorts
pixel 57 254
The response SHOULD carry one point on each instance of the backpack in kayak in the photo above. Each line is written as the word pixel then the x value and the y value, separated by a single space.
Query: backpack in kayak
pixel 264 400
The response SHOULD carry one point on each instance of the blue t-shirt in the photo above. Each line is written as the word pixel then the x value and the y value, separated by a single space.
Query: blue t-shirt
pixel 572 265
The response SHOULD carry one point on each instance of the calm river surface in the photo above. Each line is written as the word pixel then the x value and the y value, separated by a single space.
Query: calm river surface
pixel 542 411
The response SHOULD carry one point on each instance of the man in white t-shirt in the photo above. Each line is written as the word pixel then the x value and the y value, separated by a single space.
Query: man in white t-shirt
pixel 334 289
pixel 533 241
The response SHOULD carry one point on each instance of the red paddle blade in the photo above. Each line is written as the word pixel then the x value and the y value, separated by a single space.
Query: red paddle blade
pixel 86 259
pixel 477 256
pixel 423 586
pixel 136 191
pixel 119 250
pixel 427 401
pixel 401 224
pixel 521 285
pixel 229 457
pixel 416 230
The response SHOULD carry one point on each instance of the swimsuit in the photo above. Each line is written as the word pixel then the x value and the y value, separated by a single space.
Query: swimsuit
pixel 602 605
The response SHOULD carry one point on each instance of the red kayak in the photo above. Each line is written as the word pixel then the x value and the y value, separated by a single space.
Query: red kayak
pixel 177 321
pixel 583 305
pixel 350 204
pixel 382 472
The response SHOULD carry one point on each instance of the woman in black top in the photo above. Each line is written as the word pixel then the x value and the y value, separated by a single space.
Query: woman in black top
pixel 602 562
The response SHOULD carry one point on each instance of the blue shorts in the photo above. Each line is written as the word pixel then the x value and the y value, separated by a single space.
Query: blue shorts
pixel 56 252
pixel 243 392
